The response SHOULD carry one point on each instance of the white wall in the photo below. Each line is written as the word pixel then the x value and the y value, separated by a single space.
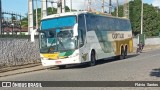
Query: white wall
pixel 148 41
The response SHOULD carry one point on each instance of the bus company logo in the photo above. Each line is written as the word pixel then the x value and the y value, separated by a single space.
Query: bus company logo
pixel 117 35
pixel 84 56
pixel 6 84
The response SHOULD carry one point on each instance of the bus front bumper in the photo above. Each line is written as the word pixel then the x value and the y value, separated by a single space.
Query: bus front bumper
pixel 65 61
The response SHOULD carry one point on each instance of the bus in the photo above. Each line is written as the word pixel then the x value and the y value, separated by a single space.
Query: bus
pixel 80 37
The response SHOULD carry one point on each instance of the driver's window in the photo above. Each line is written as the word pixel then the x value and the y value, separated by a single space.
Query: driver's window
pixel 80 38
pixel 43 40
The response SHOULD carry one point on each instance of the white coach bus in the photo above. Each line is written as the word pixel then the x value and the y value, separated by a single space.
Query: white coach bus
pixel 79 37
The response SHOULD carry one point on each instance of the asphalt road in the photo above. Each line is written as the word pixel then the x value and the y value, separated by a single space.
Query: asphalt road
pixel 137 67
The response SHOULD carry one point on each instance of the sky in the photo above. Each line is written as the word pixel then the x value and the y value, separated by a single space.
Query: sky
pixel 21 6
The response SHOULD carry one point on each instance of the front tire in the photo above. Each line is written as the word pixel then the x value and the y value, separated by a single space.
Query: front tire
pixel 62 66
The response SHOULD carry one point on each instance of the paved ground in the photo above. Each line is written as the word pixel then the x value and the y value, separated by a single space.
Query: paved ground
pixel 137 67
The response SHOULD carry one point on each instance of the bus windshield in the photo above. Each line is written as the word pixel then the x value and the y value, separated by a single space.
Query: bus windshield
pixel 59 37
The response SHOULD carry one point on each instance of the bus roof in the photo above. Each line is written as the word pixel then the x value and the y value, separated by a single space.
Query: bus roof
pixel 64 14
pixel 81 12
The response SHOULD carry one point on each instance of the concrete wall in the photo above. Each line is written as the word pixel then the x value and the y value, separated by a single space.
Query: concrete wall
pixel 14 51
pixel 152 41
pixel 148 41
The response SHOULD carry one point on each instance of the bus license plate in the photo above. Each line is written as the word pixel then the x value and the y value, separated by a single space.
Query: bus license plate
pixel 58 62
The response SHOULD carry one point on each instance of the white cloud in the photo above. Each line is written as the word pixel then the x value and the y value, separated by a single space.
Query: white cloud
pixel 156 3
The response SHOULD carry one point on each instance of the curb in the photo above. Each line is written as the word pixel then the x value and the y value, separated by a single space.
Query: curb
pixel 22 69
pixel 6 69
pixel 4 75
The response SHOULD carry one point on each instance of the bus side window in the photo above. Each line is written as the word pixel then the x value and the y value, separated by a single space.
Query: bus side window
pixel 80 38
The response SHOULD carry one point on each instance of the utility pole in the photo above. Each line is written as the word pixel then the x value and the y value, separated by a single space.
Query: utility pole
pixel 12 23
pixel 117 8
pixel 89 5
pixel 59 6
pixel 30 19
pixel 70 5
pixel 142 17
pixel 102 6
pixel 110 6
pixel 126 9
pixel 36 15
pixel 44 8
pixel 63 6
pixel 0 17
pixel 52 5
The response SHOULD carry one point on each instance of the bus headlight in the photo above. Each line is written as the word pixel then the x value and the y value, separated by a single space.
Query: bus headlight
pixel 43 58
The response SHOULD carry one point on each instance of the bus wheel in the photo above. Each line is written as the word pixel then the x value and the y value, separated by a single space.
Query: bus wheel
pixel 125 52
pixel 62 66
pixel 93 59
pixel 122 56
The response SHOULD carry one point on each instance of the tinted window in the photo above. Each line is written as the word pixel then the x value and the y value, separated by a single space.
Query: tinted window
pixel 96 22
pixel 81 28
pixel 58 22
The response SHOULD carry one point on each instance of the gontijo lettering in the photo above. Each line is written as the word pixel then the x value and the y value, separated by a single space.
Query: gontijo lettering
pixel 117 35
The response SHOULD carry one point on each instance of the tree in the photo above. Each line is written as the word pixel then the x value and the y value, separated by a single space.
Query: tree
pixel 151 17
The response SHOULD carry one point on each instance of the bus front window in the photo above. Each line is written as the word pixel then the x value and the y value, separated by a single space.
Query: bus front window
pixel 57 40
pixel 57 34
pixel 65 40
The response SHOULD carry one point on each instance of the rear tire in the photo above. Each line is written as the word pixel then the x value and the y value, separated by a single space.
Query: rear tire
pixel 122 56
pixel 93 59
pixel 125 53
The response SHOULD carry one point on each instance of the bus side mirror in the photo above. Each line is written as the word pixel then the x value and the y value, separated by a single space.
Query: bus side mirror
pixel 75 30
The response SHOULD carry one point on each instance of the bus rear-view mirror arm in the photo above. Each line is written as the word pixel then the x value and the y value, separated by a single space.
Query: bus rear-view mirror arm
pixel 75 30
pixel 38 30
